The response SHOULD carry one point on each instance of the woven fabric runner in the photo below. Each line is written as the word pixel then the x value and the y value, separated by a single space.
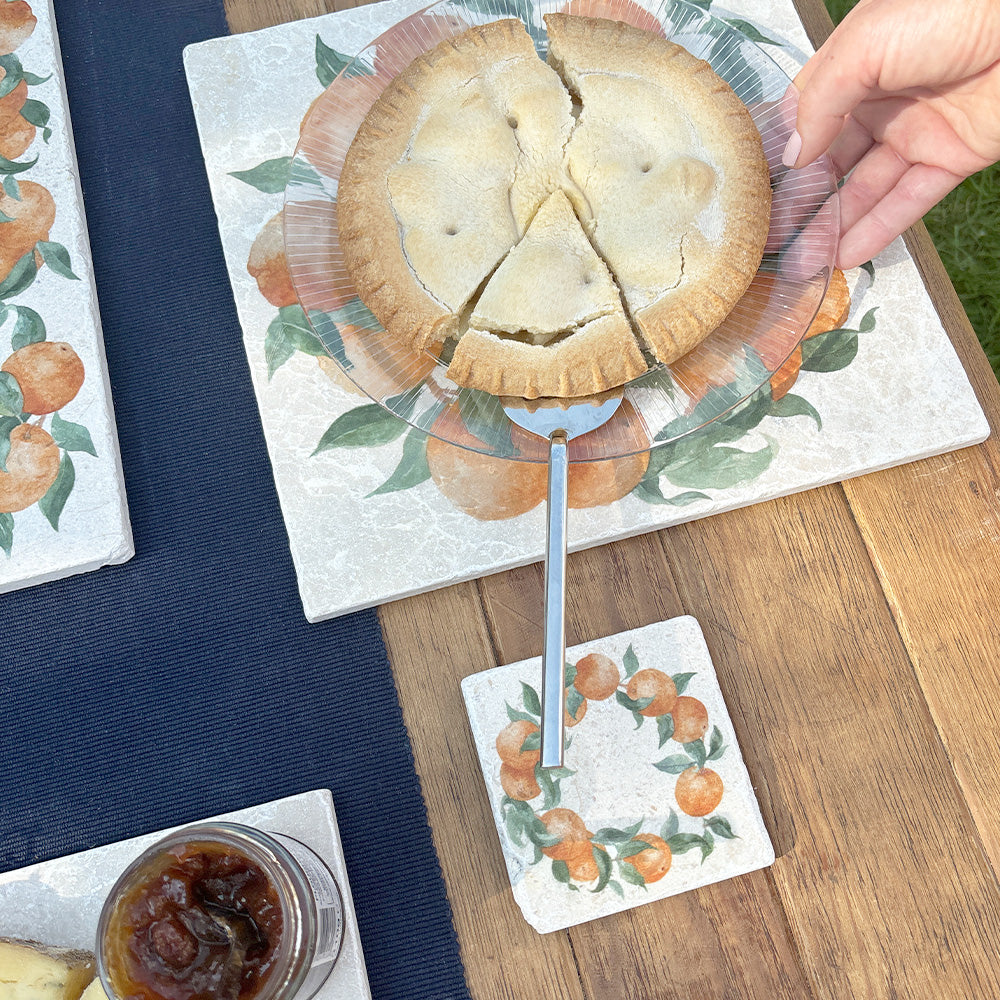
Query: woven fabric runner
pixel 186 683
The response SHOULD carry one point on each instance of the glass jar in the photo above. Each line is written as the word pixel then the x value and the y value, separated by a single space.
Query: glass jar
pixel 221 911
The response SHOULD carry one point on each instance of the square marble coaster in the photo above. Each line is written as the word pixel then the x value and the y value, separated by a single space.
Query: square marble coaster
pixel 58 902
pixel 51 314
pixel 653 798
pixel 372 513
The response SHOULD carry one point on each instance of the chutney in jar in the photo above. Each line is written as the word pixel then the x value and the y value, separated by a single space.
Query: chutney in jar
pixel 202 921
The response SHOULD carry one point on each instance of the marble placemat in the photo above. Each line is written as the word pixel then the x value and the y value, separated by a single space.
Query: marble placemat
pixel 62 494
pixel 653 798
pixel 374 514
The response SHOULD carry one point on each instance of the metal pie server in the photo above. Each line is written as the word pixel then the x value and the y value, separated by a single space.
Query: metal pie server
pixel 558 422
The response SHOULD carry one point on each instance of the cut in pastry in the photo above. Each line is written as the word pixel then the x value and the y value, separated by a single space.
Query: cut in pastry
pixel 675 187
pixel 476 201
pixel 550 321
pixel 446 172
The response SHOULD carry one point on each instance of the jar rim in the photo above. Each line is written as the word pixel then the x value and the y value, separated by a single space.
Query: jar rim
pixel 297 942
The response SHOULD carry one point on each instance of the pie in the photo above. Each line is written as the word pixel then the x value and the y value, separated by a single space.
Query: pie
pixel 554 225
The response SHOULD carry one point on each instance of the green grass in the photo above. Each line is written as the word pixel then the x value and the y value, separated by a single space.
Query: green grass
pixel 965 228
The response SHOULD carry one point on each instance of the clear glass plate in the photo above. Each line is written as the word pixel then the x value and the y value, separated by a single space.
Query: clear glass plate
pixel 665 403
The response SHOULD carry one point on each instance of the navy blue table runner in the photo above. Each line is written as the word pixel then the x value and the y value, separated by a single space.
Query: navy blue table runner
pixel 187 682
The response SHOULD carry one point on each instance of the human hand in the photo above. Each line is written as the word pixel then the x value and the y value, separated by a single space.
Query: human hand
pixel 906 95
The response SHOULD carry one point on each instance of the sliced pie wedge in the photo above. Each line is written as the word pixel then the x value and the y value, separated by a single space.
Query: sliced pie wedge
pixel 444 174
pixel 550 321
pixel 674 186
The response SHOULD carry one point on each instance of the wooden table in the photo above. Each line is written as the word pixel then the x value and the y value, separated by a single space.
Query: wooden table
pixel 863 686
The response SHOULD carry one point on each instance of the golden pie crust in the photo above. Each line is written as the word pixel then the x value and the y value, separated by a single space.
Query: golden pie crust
pixel 484 186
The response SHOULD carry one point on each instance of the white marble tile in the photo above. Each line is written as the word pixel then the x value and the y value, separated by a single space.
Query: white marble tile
pixel 353 543
pixel 81 522
pixel 662 793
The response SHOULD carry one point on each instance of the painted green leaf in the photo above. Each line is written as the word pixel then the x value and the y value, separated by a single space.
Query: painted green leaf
pixel 630 661
pixel 681 681
pixel 11 399
pixel 366 426
pixel 675 764
pixel 12 167
pixel 537 833
pixel 560 871
pixel 665 727
pixel 573 702
pixel 750 31
pixel 29 328
pixel 550 795
pixel 632 704
pixel 829 352
pixel 630 873
pixel 22 274
pixel 616 888
pixel 715 747
pixel 639 718
pixel 516 715
pixel 569 673
pixel 670 826
pixel 604 869
pixel 720 827
pixel 355 313
pixel 34 80
pixel 7 424
pixel 57 257
pixel 11 187
pixel 681 843
pixel 696 750
pixel 532 741
pixel 530 697
pixel 330 63
pixel 634 847
pixel 287 333
pixel 52 504
pixel 479 414
pixel 720 467
pixel 412 469
pixel 301 173
pixel 867 323
pixel 648 490
pixel 6 532
pixel 707 845
pixel 612 835
pixel 35 112
pixel 13 73
pixel 791 405
pixel 70 436
pixel 515 827
pixel 271 176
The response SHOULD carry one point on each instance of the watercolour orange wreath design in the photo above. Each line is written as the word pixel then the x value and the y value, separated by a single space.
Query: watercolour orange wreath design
pixel 605 858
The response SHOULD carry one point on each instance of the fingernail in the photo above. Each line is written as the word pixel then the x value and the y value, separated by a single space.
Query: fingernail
pixel 792 149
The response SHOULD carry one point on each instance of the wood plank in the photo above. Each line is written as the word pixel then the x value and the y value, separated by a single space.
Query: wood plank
pixel 433 641
pixel 728 939
pixel 883 880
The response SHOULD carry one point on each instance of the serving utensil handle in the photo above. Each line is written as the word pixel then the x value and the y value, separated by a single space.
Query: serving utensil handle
pixel 554 634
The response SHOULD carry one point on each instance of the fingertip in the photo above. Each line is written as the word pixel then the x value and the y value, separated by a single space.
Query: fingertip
pixel 793 149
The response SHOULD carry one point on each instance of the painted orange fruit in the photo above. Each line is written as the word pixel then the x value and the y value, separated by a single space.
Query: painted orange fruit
pixel 655 684
pixel 698 791
pixel 483 486
pixel 569 828
pixel 597 676
pixel 49 373
pixel 31 218
pixel 572 720
pixel 267 264
pixel 690 719
pixel 15 137
pixel 520 785
pixel 17 22
pixel 654 862
pixel 32 467
pixel 582 861
pixel 509 744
